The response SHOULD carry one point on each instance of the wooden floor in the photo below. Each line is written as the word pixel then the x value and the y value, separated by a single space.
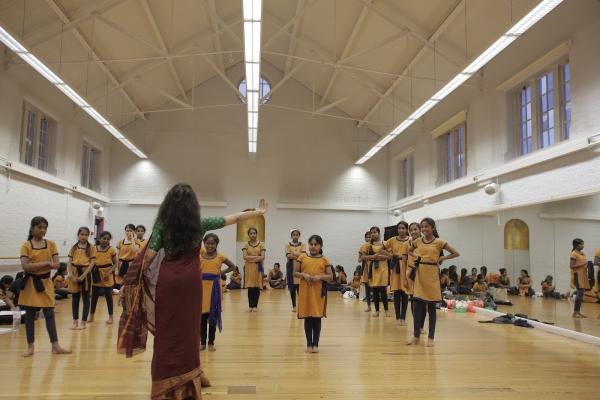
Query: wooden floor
pixel 261 356
pixel 558 312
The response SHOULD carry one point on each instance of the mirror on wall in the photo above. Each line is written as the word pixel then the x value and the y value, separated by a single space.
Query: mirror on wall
pixel 532 246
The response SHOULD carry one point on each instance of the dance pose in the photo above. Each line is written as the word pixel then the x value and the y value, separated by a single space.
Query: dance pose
pixel 103 275
pixel 579 277
pixel 376 256
pixel 314 270
pixel 127 248
pixel 82 258
pixel 428 253
pixel 38 258
pixel 398 246
pixel 254 273
pixel 293 250
pixel 364 279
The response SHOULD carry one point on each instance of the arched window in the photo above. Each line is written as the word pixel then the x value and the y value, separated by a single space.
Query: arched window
pixel 264 89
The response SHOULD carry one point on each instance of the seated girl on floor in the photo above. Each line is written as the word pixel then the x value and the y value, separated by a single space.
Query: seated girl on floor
pixel 525 283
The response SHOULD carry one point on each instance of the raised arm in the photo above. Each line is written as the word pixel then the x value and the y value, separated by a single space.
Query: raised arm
pixel 452 251
pixel 241 216
pixel 230 265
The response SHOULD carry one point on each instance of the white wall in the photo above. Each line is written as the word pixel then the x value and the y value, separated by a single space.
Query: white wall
pixel 23 197
pixel 301 159
pixel 529 191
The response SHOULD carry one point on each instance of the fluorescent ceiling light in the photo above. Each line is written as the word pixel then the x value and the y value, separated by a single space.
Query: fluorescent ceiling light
pixel 537 13
pixel 252 10
pixel 252 99
pixel 252 135
pixel 252 41
pixel 14 45
pixel 253 120
pixel 252 76
pixel 252 147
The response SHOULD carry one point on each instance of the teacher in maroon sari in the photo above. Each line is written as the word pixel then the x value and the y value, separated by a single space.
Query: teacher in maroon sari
pixel 163 294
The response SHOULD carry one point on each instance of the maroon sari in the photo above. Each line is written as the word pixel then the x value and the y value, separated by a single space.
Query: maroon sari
pixel 172 311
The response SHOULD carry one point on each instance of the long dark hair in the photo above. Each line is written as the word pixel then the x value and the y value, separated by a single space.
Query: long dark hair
pixel 87 245
pixel 577 242
pixel 403 223
pixel 378 231
pixel 318 239
pixel 35 221
pixel 431 222
pixel 179 217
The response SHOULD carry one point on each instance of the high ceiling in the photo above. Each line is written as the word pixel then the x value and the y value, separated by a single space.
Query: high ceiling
pixel 372 60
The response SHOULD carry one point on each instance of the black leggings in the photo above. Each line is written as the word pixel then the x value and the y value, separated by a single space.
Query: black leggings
pixel 412 310
pixel 75 305
pixel 30 313
pixel 400 304
pixel 312 329
pixel 380 293
pixel 368 294
pixel 420 309
pixel 253 296
pixel 212 330
pixel 107 291
pixel 293 292
pixel 578 299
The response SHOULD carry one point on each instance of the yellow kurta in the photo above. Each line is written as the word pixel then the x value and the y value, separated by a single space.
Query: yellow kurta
pixel 364 278
pixel 126 253
pixel 79 258
pixel 104 263
pixel 410 262
pixel 29 296
pixel 427 283
pixel 295 249
pixel 582 276
pixel 210 266
pixel 399 248
pixel 252 276
pixel 311 302
pixel 380 275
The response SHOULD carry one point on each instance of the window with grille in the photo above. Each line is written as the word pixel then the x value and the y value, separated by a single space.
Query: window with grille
pixel 37 139
pixel 90 167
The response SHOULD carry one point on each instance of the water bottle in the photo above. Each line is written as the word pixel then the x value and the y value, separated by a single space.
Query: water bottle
pixel 16 319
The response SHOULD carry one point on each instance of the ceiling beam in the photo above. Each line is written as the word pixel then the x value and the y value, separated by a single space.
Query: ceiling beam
pixel 286 26
pixel 331 105
pixel 220 22
pixel 405 71
pixel 178 49
pixel 96 59
pixel 406 25
pixel 286 77
pixel 214 24
pixel 88 11
pixel 224 77
pixel 165 94
pixel 300 4
pixel 373 47
pixel 349 43
pixel 161 41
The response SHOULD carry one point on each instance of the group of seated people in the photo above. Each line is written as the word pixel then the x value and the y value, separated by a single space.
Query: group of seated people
pixel 275 279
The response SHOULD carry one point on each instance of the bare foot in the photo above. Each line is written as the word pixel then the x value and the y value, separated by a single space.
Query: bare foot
pixel 376 314
pixel 387 314
pixel 430 343
pixel 83 325
pixel 413 341
pixel 578 315
pixel 29 352
pixel 204 381
pixel 203 347
pixel 368 309
pixel 315 349
pixel 255 309
pixel 401 322
pixel 109 321
pixel 211 347
pixel 308 350
pixel 75 326
pixel 91 318
pixel 293 309
pixel 56 349
pixel 423 331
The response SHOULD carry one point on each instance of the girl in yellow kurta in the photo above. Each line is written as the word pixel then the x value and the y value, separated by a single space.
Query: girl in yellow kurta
pixel 210 266
pixel 398 246
pixel 82 259
pixel 364 279
pixel 376 256
pixel 254 256
pixel 38 258
pixel 103 275
pixel 429 253
pixel 293 250
pixel 579 276
pixel 127 249
pixel 140 231
pixel 315 271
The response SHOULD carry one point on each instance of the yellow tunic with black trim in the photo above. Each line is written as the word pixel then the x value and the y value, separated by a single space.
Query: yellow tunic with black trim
pixel 399 248
pixel 104 263
pixel 364 278
pixel 380 275
pixel 126 252
pixel 427 283
pixel 79 258
pixel 581 271
pixel 295 249
pixel 252 276
pixel 311 302
pixel 29 296
pixel 210 266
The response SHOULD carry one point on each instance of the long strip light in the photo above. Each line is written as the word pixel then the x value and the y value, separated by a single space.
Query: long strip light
pixel 14 45
pixel 518 29
pixel 252 10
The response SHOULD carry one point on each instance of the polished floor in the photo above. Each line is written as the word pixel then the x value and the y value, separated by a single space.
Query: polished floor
pixel 261 356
